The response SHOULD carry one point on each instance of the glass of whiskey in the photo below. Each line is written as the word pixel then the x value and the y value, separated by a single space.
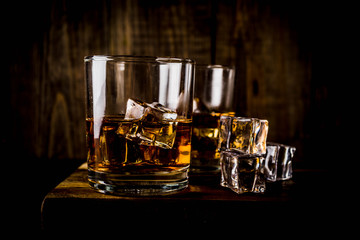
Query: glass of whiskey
pixel 213 97
pixel 138 123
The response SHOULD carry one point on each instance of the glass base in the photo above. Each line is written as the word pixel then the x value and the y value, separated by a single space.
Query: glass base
pixel 205 170
pixel 205 166
pixel 135 185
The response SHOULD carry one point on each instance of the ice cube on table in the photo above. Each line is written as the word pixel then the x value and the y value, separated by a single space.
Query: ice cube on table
pixel 247 135
pixel 261 135
pixel 270 162
pixel 242 172
pixel 153 125
pixel 284 160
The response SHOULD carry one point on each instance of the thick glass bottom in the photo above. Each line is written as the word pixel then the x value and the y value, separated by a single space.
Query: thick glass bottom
pixel 206 166
pixel 138 185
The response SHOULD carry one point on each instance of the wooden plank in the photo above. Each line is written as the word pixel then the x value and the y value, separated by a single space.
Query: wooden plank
pixel 203 188
pixel 73 205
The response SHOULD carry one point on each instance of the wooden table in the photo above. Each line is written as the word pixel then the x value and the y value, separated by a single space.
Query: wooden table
pixel 73 205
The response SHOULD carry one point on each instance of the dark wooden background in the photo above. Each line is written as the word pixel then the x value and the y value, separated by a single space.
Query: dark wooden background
pixel 284 52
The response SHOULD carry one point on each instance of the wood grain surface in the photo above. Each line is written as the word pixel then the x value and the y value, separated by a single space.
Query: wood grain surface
pixel 74 206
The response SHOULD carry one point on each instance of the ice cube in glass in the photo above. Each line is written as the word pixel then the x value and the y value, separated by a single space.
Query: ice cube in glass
pixel 135 109
pixel 153 125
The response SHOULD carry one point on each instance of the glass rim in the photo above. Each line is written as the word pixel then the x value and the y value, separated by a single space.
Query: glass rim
pixel 139 59
pixel 215 66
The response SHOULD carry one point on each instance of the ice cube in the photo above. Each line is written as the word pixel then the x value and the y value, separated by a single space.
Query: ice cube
pixel 124 127
pixel 270 162
pixel 284 160
pixel 242 172
pixel 154 125
pixel 247 135
pixel 261 136
pixel 135 109
pixel 160 112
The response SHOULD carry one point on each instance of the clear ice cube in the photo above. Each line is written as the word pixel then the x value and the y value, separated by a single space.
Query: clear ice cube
pixel 153 124
pixel 247 135
pixel 270 162
pixel 135 109
pixel 261 132
pixel 161 113
pixel 284 160
pixel 242 172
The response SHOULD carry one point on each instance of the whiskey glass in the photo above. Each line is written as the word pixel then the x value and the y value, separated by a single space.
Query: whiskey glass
pixel 213 97
pixel 138 123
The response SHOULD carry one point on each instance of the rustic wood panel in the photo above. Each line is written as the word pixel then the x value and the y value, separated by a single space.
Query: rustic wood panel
pixel 267 41
pixel 52 68
pixel 273 74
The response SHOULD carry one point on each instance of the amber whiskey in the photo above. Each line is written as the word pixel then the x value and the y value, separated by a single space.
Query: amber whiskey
pixel 117 151
pixel 205 155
